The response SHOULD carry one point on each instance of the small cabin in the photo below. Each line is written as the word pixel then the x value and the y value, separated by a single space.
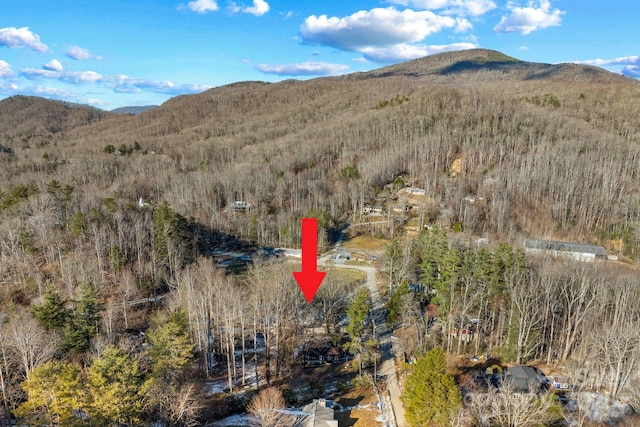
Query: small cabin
pixel 316 356
pixel 416 191
pixel 241 205
pixel 373 210
pixel 560 382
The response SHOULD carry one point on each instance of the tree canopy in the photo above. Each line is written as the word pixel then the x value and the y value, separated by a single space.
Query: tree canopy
pixel 430 396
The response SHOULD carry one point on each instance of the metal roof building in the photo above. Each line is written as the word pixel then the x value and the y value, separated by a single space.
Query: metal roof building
pixel 574 250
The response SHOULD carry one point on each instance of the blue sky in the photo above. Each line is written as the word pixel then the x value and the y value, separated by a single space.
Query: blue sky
pixel 117 53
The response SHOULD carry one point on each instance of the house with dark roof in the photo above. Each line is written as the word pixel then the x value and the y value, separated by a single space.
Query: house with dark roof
pixel 314 356
pixel 523 379
pixel 573 250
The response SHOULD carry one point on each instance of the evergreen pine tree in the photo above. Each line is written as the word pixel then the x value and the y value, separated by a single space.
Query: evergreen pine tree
pixel 53 395
pixel 84 319
pixel 433 246
pixel 171 347
pixel 430 396
pixel 114 382
pixel 52 314
pixel 393 306
pixel 357 314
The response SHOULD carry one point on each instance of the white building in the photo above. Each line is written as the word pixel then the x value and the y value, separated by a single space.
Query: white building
pixel 573 250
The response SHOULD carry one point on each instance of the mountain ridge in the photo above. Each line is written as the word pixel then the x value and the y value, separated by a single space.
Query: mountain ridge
pixel 134 109
pixel 478 65
pixel 549 147
pixel 32 115
pixel 494 65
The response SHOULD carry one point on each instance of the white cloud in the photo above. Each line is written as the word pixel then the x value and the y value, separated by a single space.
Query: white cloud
pixel 259 8
pixel 462 25
pixel 233 7
pixel 470 38
pixel 119 83
pixel 8 89
pixel 79 53
pixel 95 101
pixel 623 60
pixel 73 77
pixel 451 7
pixel 376 28
pixel 53 65
pixel 405 52
pixel 77 77
pixel 200 6
pixel 5 69
pixel 303 69
pixel 631 64
pixel 50 92
pixel 43 91
pixel 21 38
pixel 537 15
pixel 632 71
pixel 33 73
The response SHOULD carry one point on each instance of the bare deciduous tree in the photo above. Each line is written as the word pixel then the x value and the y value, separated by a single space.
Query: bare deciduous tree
pixel 267 407
pixel 615 354
pixel 504 408
pixel 185 406
pixel 32 344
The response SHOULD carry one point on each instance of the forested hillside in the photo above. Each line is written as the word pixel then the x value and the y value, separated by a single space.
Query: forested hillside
pixel 29 117
pixel 551 148
pixel 105 218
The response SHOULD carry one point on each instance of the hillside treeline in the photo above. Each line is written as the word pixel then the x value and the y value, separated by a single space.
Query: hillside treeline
pixel 550 159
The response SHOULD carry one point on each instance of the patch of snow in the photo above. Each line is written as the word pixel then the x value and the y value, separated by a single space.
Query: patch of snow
pixel 290 253
pixel 599 407
pixel 213 387
pixel 295 412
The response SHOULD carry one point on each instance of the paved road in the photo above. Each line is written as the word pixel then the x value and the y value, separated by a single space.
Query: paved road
pixel 387 365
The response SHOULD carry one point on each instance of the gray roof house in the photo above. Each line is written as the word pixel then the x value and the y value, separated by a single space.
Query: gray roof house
pixel 316 414
pixel 577 251
pixel 522 379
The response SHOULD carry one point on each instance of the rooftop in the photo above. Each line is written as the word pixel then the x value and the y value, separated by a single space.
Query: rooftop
pixel 557 245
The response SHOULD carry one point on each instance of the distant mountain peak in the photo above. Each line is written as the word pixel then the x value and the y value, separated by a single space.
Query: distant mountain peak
pixel 491 65
pixel 33 115
pixel 134 109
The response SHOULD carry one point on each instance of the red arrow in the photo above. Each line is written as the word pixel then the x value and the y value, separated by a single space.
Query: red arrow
pixel 309 279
